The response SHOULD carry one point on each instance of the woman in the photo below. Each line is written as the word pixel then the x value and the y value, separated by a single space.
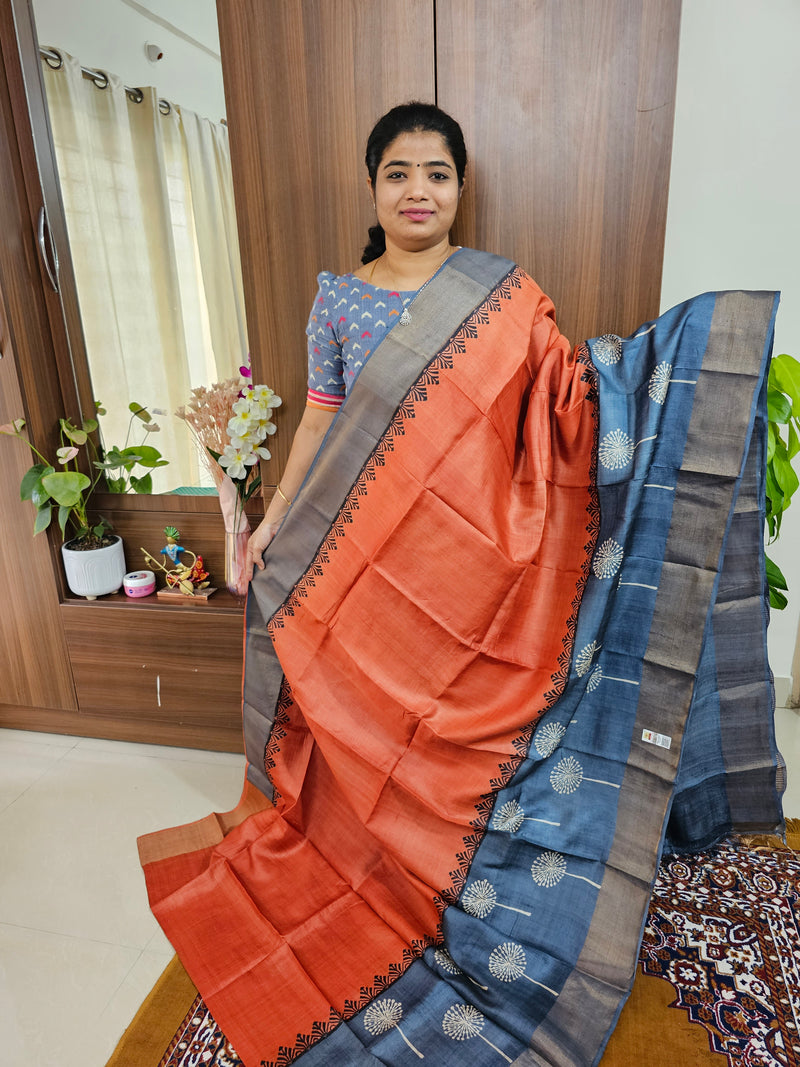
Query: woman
pixel 459 784
pixel 416 161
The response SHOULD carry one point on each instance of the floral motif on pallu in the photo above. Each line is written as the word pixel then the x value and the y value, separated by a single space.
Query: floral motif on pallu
pixel 608 349
pixel 659 383
pixel 616 449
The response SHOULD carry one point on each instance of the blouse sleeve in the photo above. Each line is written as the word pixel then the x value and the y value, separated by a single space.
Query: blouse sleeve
pixel 326 388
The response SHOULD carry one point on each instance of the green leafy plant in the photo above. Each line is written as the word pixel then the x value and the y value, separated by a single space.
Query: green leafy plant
pixel 783 444
pixel 62 490
pixel 119 463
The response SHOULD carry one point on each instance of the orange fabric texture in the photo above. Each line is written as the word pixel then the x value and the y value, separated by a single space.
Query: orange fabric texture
pixel 435 633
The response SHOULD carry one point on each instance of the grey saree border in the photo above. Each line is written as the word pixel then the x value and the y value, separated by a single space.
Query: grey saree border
pixel 576 1029
pixel 463 283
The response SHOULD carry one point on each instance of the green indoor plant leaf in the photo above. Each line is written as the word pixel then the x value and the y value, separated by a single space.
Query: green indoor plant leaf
pixel 774 573
pixel 72 433
pixel 786 476
pixel 772 437
pixel 785 375
pixel 39 496
pixel 779 407
pixel 783 403
pixel 140 412
pixel 113 458
pixel 776 599
pixel 66 487
pixel 42 520
pixel 149 456
pixel 63 519
pixel 31 478
pixel 143 484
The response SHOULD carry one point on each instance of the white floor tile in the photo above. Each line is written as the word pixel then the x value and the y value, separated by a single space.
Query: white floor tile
pixel 54 991
pixel 23 762
pixel 70 864
pixel 128 997
pixel 179 755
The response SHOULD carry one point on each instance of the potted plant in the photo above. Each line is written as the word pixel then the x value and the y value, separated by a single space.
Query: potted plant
pixel 93 556
pixel 783 400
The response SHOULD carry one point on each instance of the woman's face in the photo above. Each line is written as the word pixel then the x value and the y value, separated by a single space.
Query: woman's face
pixel 416 191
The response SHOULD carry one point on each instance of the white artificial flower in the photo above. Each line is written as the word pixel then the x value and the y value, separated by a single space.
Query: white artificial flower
pixel 241 425
pixel 236 461
pixel 244 444
pixel 262 394
pixel 265 425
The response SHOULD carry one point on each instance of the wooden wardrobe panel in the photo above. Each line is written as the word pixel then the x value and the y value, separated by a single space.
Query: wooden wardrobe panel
pixel 567 110
pixel 34 668
pixel 305 81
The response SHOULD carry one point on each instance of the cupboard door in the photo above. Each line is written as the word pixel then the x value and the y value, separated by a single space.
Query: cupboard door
pixel 567 110
pixel 151 666
pixel 34 668
pixel 305 81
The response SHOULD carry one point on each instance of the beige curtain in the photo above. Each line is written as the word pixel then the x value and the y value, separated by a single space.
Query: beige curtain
pixel 149 205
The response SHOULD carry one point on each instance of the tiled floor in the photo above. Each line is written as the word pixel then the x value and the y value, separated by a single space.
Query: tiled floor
pixel 79 949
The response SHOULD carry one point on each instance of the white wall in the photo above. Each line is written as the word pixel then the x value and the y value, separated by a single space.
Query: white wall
pixel 111 35
pixel 734 203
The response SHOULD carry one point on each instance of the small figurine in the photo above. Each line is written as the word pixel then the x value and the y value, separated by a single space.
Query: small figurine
pixel 184 578
pixel 172 549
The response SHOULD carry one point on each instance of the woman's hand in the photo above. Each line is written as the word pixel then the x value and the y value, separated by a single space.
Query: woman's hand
pixel 308 436
pixel 258 541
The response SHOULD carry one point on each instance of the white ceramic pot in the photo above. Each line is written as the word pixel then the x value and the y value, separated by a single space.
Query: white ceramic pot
pixel 95 572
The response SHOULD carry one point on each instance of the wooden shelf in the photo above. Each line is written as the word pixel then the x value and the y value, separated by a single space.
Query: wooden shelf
pixel 221 603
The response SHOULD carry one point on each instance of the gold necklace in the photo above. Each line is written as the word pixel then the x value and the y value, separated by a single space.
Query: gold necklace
pixel 405 318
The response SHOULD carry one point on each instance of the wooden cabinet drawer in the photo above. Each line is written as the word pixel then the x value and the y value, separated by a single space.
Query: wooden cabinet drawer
pixel 157 665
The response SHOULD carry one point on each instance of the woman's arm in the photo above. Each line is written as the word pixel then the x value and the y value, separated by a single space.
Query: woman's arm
pixel 307 439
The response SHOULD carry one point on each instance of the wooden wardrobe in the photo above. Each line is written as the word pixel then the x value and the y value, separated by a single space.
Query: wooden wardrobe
pixel 567 110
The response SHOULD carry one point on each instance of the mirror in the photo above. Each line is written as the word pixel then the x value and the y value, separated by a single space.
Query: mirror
pixel 136 105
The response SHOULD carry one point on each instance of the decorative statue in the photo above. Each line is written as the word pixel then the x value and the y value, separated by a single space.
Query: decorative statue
pixel 172 549
pixel 187 578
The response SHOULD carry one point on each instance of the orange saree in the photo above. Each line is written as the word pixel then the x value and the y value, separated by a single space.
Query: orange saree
pixel 412 796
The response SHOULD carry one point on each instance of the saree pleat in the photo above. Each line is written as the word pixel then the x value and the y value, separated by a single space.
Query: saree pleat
pixel 516 578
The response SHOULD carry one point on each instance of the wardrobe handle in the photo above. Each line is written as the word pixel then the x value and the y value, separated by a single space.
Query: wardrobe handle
pixel 52 271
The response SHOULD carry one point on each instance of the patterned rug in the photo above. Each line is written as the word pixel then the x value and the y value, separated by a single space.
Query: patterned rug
pixel 723 930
